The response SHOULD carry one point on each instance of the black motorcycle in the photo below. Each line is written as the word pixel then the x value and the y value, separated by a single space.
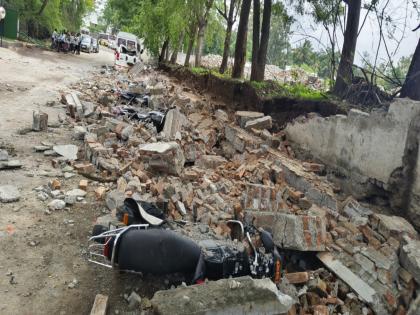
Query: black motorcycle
pixel 146 245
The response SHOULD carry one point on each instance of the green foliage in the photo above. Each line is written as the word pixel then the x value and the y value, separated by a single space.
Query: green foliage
pixel 388 77
pixel 276 89
pixel 40 17
pixel 279 45
pixel 215 36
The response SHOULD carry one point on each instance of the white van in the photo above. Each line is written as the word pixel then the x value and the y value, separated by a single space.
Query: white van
pixel 128 49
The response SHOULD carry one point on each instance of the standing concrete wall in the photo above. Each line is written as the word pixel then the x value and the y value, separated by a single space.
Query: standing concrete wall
pixel 365 147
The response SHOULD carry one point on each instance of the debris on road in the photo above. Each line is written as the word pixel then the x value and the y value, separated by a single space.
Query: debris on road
pixel 234 296
pixel 68 151
pixel 40 121
pixel 215 183
pixel 9 193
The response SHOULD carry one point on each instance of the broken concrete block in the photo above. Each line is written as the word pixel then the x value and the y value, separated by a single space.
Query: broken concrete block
pixel 88 109
pixel 221 116
pixel 156 89
pixel 210 161
pixel 40 121
pixel 410 257
pixel 76 192
pixel 79 132
pixel 259 123
pixel 365 292
pixel 57 204
pixel 9 193
pixel 174 120
pixel 127 132
pixel 69 151
pixel 299 232
pixel 12 164
pixel 242 295
pixel 165 157
pixel 84 168
pixel 4 155
pixel 134 301
pixel 180 207
pixel 74 106
pixel 394 226
pixel 243 116
pixel 262 198
pixel 114 199
pixel 240 139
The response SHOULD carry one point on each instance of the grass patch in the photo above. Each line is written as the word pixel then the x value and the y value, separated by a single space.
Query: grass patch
pixel 216 73
pixel 298 90
pixel 269 89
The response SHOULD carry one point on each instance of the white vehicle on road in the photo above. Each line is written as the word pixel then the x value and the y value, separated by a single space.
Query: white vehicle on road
pixel 128 49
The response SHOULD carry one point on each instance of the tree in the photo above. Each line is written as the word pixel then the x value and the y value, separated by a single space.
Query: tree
pixel 230 18
pixel 279 46
pixel 202 11
pixel 192 34
pixel 260 43
pixel 174 56
pixel 344 73
pixel 411 87
pixel 241 41
pixel 40 17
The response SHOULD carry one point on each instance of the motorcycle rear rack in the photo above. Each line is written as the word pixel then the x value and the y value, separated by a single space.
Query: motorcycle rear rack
pixel 96 249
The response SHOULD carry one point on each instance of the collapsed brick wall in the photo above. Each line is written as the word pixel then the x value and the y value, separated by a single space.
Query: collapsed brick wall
pixel 375 152
pixel 242 96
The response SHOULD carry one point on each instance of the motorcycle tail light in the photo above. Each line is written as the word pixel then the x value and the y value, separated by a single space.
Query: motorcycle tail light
pixel 107 248
pixel 125 219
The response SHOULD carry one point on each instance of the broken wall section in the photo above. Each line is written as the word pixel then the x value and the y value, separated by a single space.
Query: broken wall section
pixel 368 149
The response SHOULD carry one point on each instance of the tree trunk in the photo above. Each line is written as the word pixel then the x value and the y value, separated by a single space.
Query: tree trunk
pixel 344 73
pixel 200 43
pixel 167 53
pixel 228 36
pixel 411 87
pixel 260 44
pixel 190 48
pixel 44 4
pixel 255 38
pixel 163 51
pixel 265 36
pixel 174 57
pixel 202 24
pixel 240 46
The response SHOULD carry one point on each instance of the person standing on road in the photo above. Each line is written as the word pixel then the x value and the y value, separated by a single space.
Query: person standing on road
pixel 76 43
pixel 54 39
pixel 79 43
pixel 72 42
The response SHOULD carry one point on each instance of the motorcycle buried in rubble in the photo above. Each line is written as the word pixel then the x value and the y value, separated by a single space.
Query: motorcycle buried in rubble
pixel 145 246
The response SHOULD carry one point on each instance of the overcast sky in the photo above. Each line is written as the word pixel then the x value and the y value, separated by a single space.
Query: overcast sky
pixel 401 12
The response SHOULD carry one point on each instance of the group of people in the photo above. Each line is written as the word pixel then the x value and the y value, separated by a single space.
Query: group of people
pixel 66 41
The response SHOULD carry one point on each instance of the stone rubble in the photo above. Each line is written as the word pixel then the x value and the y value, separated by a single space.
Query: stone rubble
pixel 208 165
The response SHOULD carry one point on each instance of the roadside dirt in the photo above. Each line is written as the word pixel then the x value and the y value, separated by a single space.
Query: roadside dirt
pixel 34 279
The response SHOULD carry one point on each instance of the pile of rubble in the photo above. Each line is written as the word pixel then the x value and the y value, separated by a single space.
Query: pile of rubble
pixel 146 138
pixel 272 72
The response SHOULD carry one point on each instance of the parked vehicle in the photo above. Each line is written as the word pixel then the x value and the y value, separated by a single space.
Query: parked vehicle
pixel 143 241
pixel 95 45
pixel 86 44
pixel 128 49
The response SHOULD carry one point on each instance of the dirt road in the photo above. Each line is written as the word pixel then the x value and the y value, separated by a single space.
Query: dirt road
pixel 42 267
